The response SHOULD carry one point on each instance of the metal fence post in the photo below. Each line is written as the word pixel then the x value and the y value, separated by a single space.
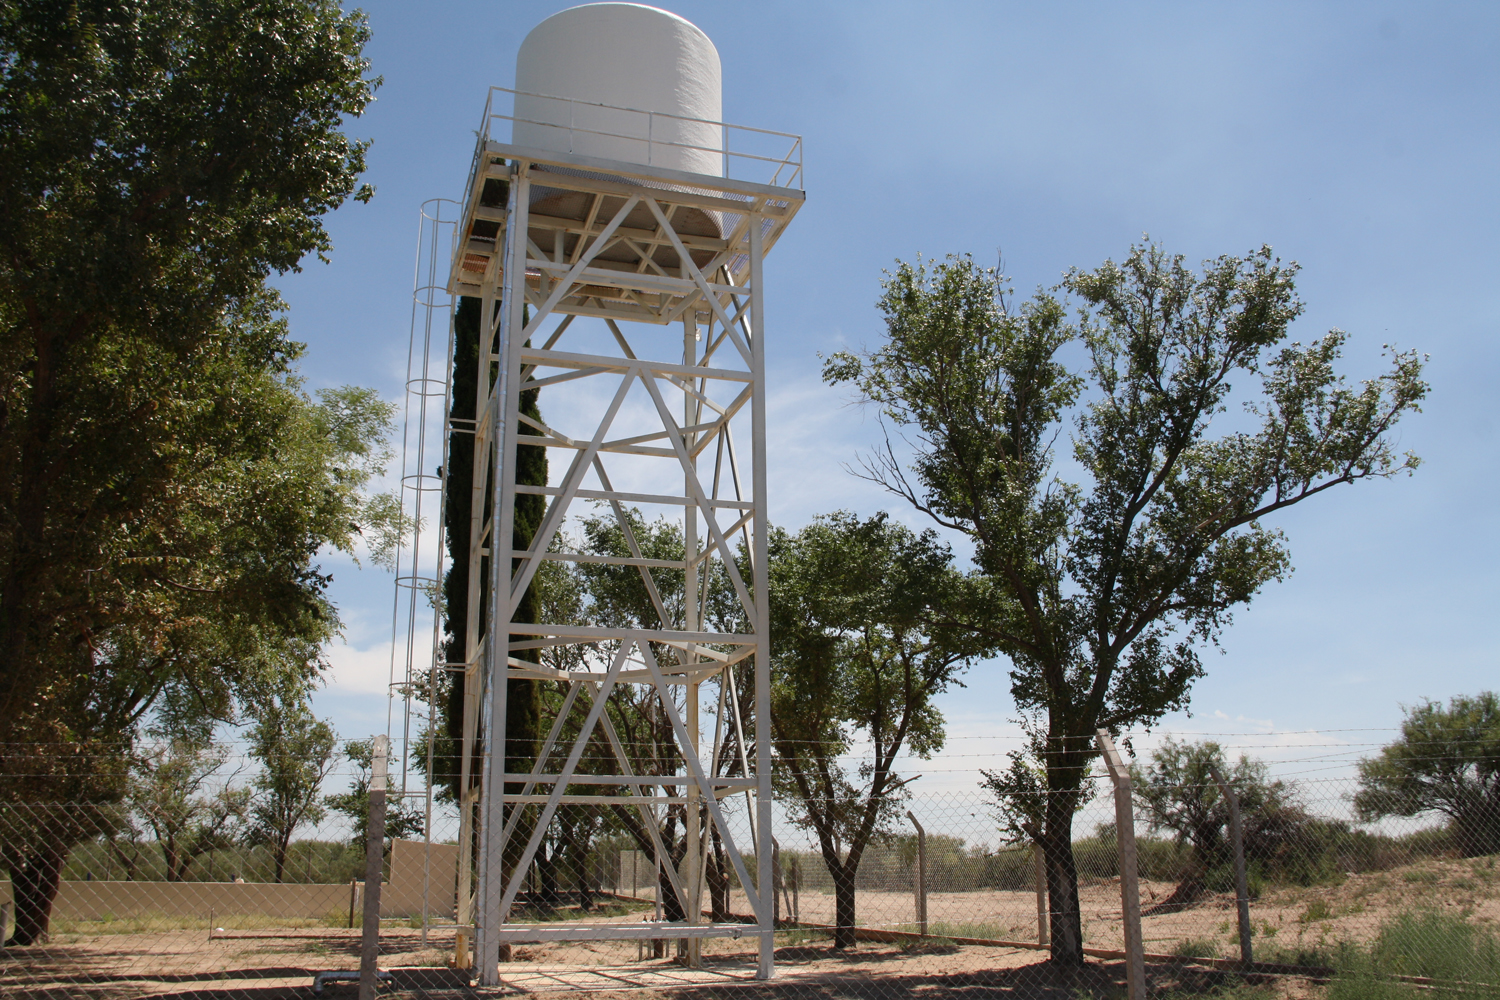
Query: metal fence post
pixel 1043 935
pixel 920 876
pixel 1130 893
pixel 1241 883
pixel 369 950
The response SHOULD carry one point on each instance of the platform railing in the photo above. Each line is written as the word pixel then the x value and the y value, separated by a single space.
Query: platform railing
pixel 737 162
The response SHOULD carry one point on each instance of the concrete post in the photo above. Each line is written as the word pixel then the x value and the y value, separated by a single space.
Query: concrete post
pixel 369 949
pixel 1038 856
pixel 920 875
pixel 1130 892
pixel 1241 883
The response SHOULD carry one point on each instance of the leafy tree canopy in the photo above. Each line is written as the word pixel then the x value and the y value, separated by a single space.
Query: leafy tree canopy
pixel 1113 571
pixel 295 749
pixel 1447 760
pixel 163 483
pixel 856 656
pixel 403 818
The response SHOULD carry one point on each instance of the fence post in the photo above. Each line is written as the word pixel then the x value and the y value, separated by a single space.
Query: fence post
pixel 796 872
pixel 1241 883
pixel 920 876
pixel 775 883
pixel 1130 893
pixel 1043 935
pixel 369 949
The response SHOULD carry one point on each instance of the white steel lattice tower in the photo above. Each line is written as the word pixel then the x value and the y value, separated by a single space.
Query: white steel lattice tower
pixel 615 248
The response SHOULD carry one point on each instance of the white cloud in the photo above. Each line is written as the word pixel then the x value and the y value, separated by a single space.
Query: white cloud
pixel 366 670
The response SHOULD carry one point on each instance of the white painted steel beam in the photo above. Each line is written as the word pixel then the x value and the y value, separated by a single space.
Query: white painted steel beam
pixel 614 248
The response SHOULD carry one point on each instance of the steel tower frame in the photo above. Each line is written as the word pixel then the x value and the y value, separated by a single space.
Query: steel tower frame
pixel 626 243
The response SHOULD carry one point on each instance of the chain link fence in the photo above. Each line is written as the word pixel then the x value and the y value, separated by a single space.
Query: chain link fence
pixel 193 899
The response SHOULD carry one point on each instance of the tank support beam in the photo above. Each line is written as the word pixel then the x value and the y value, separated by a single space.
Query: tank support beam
pixel 630 246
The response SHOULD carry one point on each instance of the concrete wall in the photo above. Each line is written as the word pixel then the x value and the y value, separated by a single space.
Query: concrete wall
pixel 400 897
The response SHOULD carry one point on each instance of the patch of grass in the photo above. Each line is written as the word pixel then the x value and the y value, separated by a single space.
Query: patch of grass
pixel 154 923
pixel 1196 948
pixel 1307 956
pixel 930 945
pixel 943 928
pixel 1437 945
pixel 1421 876
pixel 537 915
pixel 1370 988
pixel 340 918
pixel 1231 990
pixel 801 937
pixel 1318 909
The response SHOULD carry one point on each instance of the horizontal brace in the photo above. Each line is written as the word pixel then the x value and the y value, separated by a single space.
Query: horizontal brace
pixel 569 376
pixel 590 633
pixel 659 435
pixel 570 182
pixel 634 280
pixel 525 670
pixel 661 498
pixel 603 560
pixel 552 223
pixel 613 800
pixel 565 359
pixel 625 779
pixel 537 933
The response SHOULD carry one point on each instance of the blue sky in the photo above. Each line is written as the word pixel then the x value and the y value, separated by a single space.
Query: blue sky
pixel 1358 139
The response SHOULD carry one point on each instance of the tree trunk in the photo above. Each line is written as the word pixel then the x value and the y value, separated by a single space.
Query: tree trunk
pixel 671 906
pixel 1065 922
pixel 718 886
pixel 34 884
pixel 548 899
pixel 843 906
pixel 280 858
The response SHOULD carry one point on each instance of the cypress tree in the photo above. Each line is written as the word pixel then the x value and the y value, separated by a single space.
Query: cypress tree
pixel 523 699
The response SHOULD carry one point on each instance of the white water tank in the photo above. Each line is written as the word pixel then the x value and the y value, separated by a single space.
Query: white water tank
pixel 626 56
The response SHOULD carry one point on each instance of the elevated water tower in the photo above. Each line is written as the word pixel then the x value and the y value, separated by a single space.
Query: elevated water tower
pixel 613 230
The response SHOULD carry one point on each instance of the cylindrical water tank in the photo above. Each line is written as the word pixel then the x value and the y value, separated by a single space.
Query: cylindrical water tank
pixel 624 56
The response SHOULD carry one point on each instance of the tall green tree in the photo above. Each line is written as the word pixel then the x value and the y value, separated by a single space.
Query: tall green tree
pixel 1446 761
pixel 295 749
pixel 404 818
pixel 856 657
pixel 1178 792
pixel 1115 570
pixel 523 699
pixel 158 162
pixel 180 793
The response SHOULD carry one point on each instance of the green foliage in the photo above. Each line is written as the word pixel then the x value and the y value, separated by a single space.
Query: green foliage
pixel 403 818
pixel 1178 792
pixel 856 656
pixel 1104 591
pixel 1020 794
pixel 523 698
pixel 159 512
pixel 1462 958
pixel 296 753
pixel 1196 948
pixel 171 795
pixel 1447 760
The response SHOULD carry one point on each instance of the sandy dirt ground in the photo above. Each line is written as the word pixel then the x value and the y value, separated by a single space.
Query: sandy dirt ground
pixel 269 964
